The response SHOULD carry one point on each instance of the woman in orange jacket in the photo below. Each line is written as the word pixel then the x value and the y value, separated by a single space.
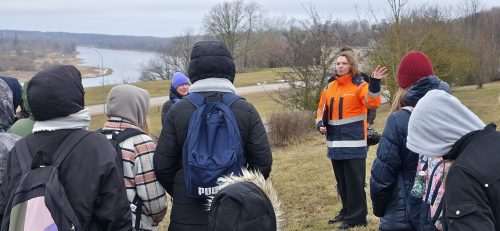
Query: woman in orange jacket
pixel 341 115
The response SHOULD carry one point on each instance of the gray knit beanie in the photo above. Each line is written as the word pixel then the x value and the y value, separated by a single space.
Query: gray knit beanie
pixel 128 102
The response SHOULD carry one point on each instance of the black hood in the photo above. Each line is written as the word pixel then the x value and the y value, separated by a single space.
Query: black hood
pixel 55 92
pixel 421 87
pixel 211 59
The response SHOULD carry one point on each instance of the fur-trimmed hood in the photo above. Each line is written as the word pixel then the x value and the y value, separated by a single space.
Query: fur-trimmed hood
pixel 247 202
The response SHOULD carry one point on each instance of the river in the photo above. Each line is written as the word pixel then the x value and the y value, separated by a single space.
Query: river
pixel 126 64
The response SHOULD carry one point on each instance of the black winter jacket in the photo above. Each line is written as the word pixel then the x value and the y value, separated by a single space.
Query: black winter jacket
pixel 90 175
pixel 189 214
pixel 174 97
pixel 393 170
pixel 472 190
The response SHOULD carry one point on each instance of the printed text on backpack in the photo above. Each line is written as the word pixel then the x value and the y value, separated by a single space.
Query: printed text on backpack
pixel 213 145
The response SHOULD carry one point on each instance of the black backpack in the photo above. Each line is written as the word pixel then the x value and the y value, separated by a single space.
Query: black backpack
pixel 116 137
pixel 38 201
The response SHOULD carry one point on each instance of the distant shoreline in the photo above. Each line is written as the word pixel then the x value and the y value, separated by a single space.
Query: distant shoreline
pixel 86 71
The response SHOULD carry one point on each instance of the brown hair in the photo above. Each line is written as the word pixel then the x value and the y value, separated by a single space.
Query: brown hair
pixel 351 59
pixel 397 102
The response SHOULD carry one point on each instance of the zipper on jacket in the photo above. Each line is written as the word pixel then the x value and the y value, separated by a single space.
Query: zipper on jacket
pixel 340 107
pixel 330 116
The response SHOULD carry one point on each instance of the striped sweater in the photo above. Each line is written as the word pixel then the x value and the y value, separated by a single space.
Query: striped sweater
pixel 137 153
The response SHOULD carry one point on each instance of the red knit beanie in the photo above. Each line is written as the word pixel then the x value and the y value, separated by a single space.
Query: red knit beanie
pixel 414 66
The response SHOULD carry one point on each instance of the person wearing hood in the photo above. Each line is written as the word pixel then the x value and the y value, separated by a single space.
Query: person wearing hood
pixel 245 203
pixel 342 116
pixel 441 126
pixel 127 107
pixel 211 71
pixel 393 170
pixel 24 125
pixel 178 89
pixel 90 174
pixel 15 87
pixel 7 140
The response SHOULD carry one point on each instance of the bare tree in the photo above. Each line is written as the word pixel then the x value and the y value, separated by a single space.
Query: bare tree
pixel 385 43
pixel 309 52
pixel 252 11
pixel 176 58
pixel 227 22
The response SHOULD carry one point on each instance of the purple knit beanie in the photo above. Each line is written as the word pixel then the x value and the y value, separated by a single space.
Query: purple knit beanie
pixel 178 79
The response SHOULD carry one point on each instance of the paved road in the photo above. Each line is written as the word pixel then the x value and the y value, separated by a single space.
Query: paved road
pixel 155 101
pixel 99 108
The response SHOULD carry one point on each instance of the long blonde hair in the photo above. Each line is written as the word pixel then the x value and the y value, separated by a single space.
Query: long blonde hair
pixel 398 102
pixel 145 126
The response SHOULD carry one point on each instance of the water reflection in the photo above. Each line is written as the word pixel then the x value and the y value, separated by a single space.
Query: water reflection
pixel 126 65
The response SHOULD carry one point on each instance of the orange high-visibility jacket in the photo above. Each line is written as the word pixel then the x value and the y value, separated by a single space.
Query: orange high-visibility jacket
pixel 343 110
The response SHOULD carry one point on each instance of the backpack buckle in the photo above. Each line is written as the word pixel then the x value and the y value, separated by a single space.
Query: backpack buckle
pixel 133 207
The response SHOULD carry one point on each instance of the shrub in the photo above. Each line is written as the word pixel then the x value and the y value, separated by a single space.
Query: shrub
pixel 288 126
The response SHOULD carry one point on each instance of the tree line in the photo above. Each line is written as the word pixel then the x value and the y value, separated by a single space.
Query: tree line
pixel 463 42
pixel 19 54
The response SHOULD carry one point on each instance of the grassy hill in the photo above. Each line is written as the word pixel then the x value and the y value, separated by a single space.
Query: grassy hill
pixel 303 174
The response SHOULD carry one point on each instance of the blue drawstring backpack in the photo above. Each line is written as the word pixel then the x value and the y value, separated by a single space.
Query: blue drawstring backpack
pixel 213 145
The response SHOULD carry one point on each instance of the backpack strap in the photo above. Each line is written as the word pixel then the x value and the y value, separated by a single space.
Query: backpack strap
pixel 25 158
pixel 430 181
pixel 196 99
pixel 229 98
pixel 125 134
pixel 409 109
pixel 24 155
pixel 67 145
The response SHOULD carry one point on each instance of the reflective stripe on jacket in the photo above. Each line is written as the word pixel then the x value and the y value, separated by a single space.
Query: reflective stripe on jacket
pixel 343 110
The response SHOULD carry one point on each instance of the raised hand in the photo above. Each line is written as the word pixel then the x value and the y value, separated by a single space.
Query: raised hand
pixel 379 72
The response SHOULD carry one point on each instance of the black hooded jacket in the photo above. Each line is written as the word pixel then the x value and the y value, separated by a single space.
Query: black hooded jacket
pixel 189 214
pixel 174 97
pixel 90 175
pixel 472 191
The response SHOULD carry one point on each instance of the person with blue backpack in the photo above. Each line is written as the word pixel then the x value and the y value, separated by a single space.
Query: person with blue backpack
pixel 178 89
pixel 209 134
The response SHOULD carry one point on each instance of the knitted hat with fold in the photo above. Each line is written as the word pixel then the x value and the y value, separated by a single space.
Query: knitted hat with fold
pixel 414 66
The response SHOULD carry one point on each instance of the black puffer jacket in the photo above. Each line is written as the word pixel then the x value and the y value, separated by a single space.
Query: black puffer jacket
pixel 209 59
pixel 174 97
pixel 168 158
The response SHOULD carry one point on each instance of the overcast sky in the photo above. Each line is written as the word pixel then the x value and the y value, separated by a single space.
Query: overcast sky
pixel 164 17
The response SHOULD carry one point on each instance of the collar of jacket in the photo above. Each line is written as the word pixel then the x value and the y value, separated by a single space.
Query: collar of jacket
pixel 465 140
pixel 212 84
pixel 344 79
pixel 421 87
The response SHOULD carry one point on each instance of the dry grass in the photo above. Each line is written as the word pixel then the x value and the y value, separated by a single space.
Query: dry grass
pixel 303 175
pixel 484 102
pixel 97 95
